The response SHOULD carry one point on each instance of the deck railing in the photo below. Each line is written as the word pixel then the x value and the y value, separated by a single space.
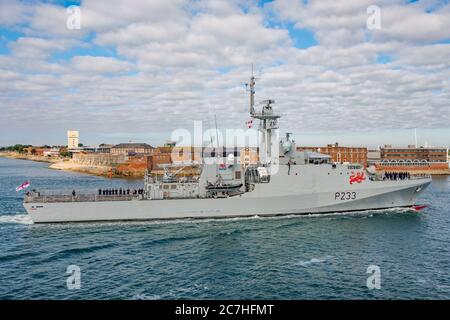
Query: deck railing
pixel 37 198
pixel 382 177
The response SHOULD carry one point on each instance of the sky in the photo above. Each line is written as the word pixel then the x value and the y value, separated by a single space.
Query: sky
pixel 128 70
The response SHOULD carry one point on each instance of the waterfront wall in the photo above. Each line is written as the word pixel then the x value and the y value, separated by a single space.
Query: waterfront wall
pixel 98 159
pixel 134 167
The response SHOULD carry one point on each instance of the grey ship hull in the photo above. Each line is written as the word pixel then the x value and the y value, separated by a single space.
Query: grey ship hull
pixel 307 190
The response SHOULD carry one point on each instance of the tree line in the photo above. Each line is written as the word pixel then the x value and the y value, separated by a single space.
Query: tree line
pixel 20 148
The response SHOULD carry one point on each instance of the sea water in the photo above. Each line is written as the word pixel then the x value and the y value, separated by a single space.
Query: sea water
pixel 311 257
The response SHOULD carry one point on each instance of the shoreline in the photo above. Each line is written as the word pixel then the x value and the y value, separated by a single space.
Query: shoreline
pixel 68 166
pixel 19 156
pixel 113 172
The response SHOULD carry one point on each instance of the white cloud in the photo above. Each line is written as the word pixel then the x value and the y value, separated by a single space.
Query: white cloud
pixel 411 23
pixel 116 14
pixel 51 21
pixel 343 23
pixel 38 48
pixel 140 33
pixel 94 65
pixel 13 12
pixel 181 61
pixel 207 40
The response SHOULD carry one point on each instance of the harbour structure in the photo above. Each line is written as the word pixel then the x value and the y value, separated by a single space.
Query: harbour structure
pixel 284 181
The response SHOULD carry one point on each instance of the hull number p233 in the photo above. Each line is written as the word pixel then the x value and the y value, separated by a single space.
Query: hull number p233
pixel 344 196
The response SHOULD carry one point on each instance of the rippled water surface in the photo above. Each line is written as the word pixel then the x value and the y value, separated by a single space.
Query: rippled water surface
pixel 257 258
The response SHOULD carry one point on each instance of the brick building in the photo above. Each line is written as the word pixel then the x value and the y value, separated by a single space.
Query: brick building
pixel 341 154
pixel 413 154
pixel 132 148
pixel 413 159
pixel 161 155
pixel 248 156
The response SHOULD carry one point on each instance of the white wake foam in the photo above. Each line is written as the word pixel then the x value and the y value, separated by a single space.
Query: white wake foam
pixel 16 219
pixel 368 213
pixel 163 222
pixel 362 213
pixel 146 297
pixel 26 219
pixel 313 261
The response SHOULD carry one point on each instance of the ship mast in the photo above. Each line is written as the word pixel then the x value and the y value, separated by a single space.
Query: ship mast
pixel 268 126
pixel 217 150
pixel 252 93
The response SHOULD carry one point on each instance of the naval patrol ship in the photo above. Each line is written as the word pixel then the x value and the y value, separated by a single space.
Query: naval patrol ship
pixel 283 182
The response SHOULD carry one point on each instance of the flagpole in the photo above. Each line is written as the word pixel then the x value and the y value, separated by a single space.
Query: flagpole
pixel 217 144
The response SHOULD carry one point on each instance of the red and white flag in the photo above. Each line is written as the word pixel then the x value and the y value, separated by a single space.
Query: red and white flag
pixel 24 185
pixel 249 124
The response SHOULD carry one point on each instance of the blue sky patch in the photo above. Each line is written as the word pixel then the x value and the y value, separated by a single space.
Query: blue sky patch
pixel 6 36
pixel 384 58
pixel 90 50
pixel 302 38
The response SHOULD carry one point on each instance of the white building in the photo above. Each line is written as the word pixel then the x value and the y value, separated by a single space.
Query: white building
pixel 72 139
pixel 53 152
